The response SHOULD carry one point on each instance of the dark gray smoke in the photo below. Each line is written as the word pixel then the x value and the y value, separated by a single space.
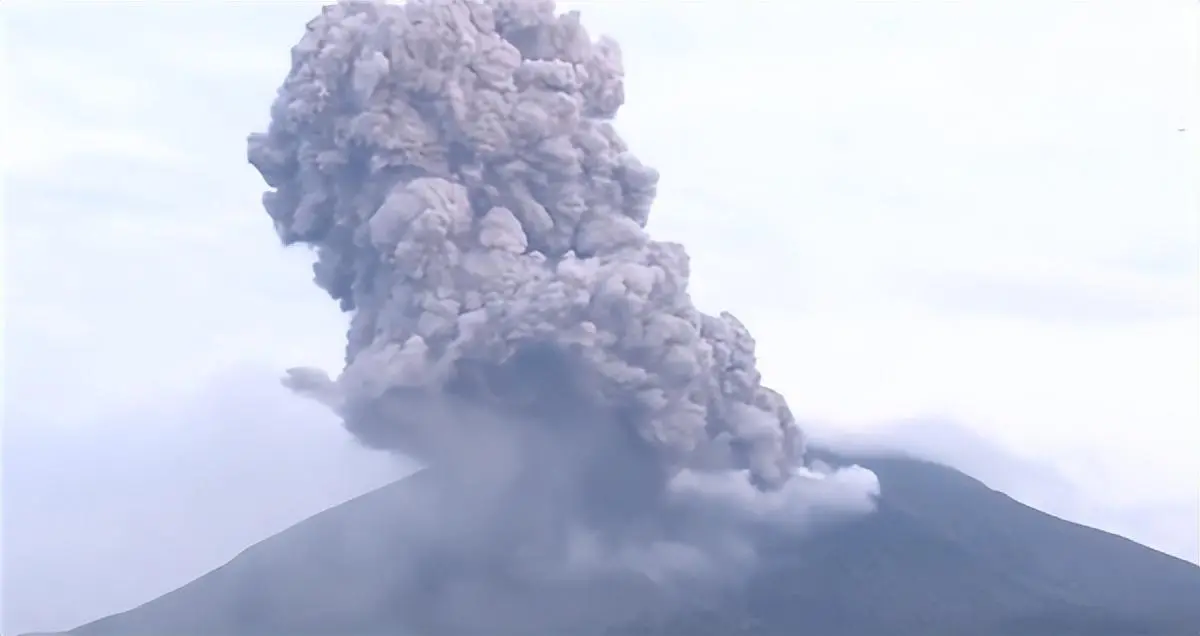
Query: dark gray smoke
pixel 454 164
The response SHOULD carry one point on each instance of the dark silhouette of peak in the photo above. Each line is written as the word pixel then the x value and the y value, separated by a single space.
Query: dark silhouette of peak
pixel 943 555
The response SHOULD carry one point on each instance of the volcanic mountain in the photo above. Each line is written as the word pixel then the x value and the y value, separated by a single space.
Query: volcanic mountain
pixel 605 457
pixel 942 554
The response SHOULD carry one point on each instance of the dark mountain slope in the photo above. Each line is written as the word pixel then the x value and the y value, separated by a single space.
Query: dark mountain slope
pixel 944 554
pixel 1046 554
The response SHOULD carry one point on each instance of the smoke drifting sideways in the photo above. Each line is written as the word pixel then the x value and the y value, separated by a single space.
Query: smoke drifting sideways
pixel 455 166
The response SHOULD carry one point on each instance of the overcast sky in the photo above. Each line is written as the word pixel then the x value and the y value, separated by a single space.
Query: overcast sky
pixel 983 217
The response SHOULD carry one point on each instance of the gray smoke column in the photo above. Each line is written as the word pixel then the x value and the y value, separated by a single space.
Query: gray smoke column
pixel 454 164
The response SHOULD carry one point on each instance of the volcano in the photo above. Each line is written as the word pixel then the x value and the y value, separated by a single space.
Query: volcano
pixel 942 554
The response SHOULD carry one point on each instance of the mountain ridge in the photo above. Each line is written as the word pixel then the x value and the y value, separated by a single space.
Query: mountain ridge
pixel 943 554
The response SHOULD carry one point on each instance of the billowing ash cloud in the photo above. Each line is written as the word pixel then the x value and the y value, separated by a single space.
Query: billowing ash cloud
pixel 455 166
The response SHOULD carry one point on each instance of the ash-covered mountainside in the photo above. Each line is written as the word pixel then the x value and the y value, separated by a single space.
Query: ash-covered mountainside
pixel 943 555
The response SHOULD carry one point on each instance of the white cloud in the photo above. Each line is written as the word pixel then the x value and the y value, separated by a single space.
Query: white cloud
pixel 45 146
pixel 63 106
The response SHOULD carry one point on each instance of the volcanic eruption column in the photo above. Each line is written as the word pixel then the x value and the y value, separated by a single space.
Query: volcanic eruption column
pixel 454 165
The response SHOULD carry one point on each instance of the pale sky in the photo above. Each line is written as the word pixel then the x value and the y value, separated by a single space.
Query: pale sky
pixel 982 216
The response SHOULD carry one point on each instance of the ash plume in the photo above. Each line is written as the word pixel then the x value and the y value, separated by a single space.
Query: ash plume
pixel 455 166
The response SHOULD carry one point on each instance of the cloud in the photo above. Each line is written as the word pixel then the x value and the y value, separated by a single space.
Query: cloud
pixel 37 146
pixel 63 107
pixel 1175 259
pixel 1055 299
